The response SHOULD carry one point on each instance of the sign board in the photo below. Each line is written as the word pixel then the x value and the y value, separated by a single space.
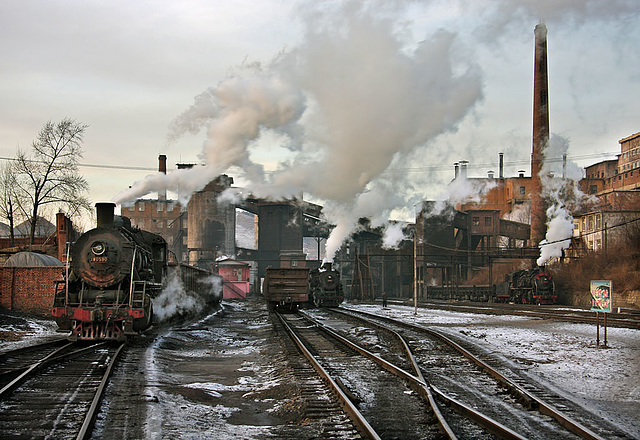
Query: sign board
pixel 601 296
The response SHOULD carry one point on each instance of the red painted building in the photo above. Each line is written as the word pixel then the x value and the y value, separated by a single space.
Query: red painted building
pixel 235 275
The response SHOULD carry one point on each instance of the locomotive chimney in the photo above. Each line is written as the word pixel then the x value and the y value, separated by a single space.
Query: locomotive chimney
pixel 501 169
pixel 104 214
pixel 455 170
pixel 162 168
pixel 540 133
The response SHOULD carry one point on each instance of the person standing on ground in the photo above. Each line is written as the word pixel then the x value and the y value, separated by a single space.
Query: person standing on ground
pixel 384 300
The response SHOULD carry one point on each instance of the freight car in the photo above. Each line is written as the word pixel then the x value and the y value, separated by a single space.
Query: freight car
pixel 325 288
pixel 528 286
pixel 113 274
pixel 286 288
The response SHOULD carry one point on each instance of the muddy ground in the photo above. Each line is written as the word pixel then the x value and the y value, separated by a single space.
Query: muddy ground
pixel 226 376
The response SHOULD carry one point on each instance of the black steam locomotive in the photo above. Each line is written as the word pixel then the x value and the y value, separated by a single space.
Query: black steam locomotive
pixel 325 288
pixel 113 274
pixel 288 288
pixel 529 286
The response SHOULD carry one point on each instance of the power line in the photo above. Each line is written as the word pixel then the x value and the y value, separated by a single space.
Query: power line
pixel 434 168
pixel 91 165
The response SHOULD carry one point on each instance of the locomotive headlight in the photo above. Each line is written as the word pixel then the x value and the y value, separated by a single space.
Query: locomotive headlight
pixel 98 248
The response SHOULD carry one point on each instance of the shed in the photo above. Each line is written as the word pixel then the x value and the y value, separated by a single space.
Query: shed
pixel 235 276
pixel 32 259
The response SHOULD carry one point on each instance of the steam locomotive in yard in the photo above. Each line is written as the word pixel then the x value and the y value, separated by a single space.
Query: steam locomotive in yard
pixel 528 286
pixel 113 274
pixel 288 288
pixel 325 288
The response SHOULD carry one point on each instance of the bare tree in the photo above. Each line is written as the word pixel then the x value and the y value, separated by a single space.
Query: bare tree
pixel 48 176
pixel 8 206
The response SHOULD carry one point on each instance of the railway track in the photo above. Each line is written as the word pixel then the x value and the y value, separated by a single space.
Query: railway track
pixel 623 319
pixel 453 370
pixel 386 400
pixel 54 391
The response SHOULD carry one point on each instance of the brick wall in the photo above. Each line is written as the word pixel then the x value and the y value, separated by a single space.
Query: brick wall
pixel 29 289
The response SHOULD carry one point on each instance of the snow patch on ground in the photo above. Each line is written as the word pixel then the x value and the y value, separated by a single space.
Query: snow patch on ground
pixel 564 355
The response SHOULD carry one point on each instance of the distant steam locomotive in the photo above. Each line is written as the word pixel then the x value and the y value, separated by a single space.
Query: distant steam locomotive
pixel 325 288
pixel 294 287
pixel 529 286
pixel 113 274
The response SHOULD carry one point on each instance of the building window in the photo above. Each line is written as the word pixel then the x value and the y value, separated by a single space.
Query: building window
pixel 593 189
pixel 522 190
pixel 487 221
pixel 590 224
pixel 476 221
pixel 140 206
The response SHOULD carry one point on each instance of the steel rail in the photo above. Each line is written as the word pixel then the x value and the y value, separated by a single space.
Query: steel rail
pixel 422 387
pixel 621 320
pixel 358 419
pixel 533 401
pixel 36 366
pixel 8 388
pixel 15 351
pixel 90 418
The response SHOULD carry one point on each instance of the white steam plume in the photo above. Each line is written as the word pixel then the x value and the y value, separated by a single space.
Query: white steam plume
pixel 234 114
pixel 352 99
pixel 393 235
pixel 174 300
pixel 562 195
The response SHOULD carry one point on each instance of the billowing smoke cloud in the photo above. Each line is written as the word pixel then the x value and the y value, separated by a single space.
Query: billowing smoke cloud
pixel 561 191
pixel 355 97
pixel 351 100
pixel 233 113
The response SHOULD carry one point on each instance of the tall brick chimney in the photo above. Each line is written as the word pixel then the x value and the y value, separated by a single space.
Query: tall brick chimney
pixel 540 133
pixel 162 168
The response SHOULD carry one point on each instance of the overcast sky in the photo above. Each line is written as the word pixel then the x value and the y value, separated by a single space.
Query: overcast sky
pixel 459 87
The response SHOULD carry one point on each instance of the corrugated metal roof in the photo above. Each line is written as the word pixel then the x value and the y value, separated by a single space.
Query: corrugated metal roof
pixel 31 259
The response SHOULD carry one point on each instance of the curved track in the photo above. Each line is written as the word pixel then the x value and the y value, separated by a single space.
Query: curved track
pixel 395 402
pixel 526 407
pixel 57 395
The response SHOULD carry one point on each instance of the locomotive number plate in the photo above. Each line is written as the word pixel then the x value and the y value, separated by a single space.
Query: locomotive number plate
pixel 98 259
